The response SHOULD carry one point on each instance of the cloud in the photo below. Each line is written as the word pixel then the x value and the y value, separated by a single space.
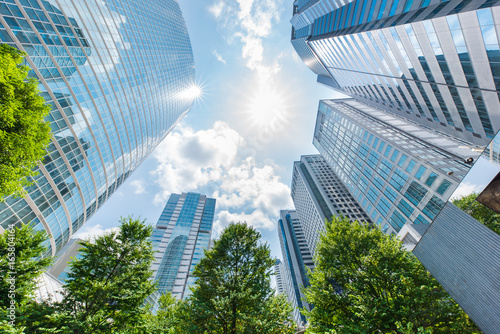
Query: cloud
pixel 250 21
pixel 217 162
pixel 466 188
pixel 219 57
pixel 139 186
pixel 92 232
pixel 256 219
pixel 216 9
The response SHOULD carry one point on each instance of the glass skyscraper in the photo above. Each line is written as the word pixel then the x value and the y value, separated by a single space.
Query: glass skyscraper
pixel 181 234
pixel 296 257
pixel 393 174
pixel 279 271
pixel 436 63
pixel 318 194
pixel 118 75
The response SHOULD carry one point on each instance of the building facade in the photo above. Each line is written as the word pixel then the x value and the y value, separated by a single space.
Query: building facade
pixel 434 62
pixel 279 271
pixel 464 256
pixel 396 176
pixel 61 268
pixel 181 234
pixel 118 76
pixel 318 194
pixel 296 258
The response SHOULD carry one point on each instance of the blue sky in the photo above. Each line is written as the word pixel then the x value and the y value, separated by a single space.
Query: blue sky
pixel 255 117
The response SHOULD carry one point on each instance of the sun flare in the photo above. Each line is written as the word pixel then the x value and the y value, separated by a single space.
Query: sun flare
pixel 266 106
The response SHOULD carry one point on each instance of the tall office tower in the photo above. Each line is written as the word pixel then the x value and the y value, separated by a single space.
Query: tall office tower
pixel 118 76
pixel 279 270
pixel 434 62
pixel 296 257
pixel 395 176
pixel 181 234
pixel 319 194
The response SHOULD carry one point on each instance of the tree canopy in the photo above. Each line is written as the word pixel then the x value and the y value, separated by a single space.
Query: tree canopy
pixel 21 249
pixel 23 133
pixel 21 265
pixel 365 282
pixel 233 293
pixel 479 211
pixel 106 288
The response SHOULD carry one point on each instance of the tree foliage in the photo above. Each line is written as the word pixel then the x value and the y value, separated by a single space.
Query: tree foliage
pixel 233 292
pixel 23 133
pixel 21 263
pixel 106 288
pixel 365 282
pixel 479 211
pixel 21 266
pixel 108 284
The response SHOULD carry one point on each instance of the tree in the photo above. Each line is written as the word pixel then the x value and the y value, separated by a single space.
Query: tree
pixel 164 321
pixel 23 133
pixel 107 285
pixel 233 292
pixel 365 282
pixel 479 211
pixel 21 264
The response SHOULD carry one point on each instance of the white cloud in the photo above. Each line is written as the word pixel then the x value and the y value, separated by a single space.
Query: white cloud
pixel 219 57
pixel 138 186
pixel 216 162
pixel 93 231
pixel 466 188
pixel 216 9
pixel 250 21
pixel 256 219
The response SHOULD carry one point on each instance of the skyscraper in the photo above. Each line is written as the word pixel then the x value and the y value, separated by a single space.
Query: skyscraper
pixel 319 194
pixel 181 234
pixel 118 76
pixel 396 176
pixel 296 257
pixel 279 270
pixel 436 63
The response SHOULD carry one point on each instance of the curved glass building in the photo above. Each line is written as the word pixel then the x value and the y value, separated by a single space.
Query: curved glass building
pixel 119 75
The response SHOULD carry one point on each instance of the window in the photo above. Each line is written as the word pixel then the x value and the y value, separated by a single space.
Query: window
pixel 430 180
pixel 411 165
pixel 388 150
pixel 421 220
pixel 420 172
pixel 433 207
pixel 443 187
pixel 391 194
pixel 397 221
pixel 405 208
pixel 415 193
pixel 402 160
pixel 394 155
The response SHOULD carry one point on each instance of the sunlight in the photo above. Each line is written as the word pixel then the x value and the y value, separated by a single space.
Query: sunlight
pixel 192 93
pixel 266 106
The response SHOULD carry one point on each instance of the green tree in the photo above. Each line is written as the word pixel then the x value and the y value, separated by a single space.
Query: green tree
pixel 23 133
pixel 479 211
pixel 233 292
pixel 365 282
pixel 164 321
pixel 107 285
pixel 21 264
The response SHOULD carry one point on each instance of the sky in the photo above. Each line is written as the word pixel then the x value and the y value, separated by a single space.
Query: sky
pixel 254 118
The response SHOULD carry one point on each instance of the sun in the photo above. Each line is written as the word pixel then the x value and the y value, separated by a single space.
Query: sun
pixel 266 106
pixel 193 92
